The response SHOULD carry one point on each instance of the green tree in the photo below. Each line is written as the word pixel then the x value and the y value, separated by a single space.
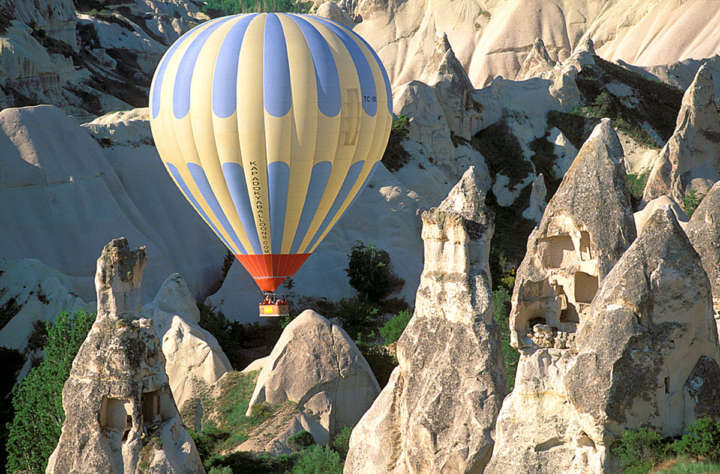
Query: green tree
pixel 393 329
pixel 37 399
pixel 318 460
pixel 370 272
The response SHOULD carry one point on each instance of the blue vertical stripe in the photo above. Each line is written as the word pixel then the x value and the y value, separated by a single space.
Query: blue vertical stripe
pixel 183 77
pixel 160 74
pixel 326 74
pixel 350 179
pixel 224 89
pixel 183 186
pixel 388 90
pixel 318 181
pixel 367 81
pixel 277 95
pixel 204 186
pixel 278 180
pixel 237 185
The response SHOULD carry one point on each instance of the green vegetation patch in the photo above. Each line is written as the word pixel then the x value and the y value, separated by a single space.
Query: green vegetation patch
pixel 636 184
pixel 502 151
pixel 218 8
pixel 655 102
pixel 37 399
pixel 393 329
pixel 690 202
pixel 395 155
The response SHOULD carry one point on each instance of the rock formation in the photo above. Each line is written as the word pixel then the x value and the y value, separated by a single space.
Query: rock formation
pixel 316 365
pixel 690 160
pixel 437 412
pixel 31 291
pixel 494 38
pixel 704 233
pixel 193 357
pixel 586 227
pixel 120 414
pixel 663 202
pixel 61 182
pixel 599 327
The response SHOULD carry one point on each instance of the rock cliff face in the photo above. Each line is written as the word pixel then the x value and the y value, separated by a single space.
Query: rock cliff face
pixel 704 233
pixel 120 414
pixel 316 365
pixel 690 160
pixel 599 323
pixel 494 38
pixel 193 357
pixel 437 412
pixel 62 182
pixel 585 229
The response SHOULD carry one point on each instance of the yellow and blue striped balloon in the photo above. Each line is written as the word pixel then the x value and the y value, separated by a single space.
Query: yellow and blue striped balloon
pixel 270 125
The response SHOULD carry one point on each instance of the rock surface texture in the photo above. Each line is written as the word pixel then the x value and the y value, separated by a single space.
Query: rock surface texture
pixel 690 160
pixel 704 233
pixel 316 365
pixel 120 414
pixel 437 412
pixel 586 227
pixel 193 357
pixel 640 348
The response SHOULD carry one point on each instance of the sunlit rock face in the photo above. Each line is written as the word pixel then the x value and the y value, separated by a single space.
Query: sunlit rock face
pixel 437 412
pixel 120 413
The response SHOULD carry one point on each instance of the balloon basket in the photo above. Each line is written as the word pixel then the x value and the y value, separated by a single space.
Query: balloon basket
pixel 274 310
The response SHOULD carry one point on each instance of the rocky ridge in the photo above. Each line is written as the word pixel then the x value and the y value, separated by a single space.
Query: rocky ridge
pixel 438 409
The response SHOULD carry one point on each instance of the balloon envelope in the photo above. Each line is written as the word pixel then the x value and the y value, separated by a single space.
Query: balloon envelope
pixel 270 125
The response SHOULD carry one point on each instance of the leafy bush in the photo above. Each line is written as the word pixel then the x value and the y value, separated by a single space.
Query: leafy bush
pixel 501 312
pixel 701 439
pixel 395 156
pixel 11 361
pixel 318 460
pixel 260 411
pixel 300 440
pixel 636 184
pixel 639 450
pixel 690 202
pixel 216 8
pixel 370 272
pixel 341 442
pixel 393 329
pixel 380 360
pixel 37 399
pixel 356 315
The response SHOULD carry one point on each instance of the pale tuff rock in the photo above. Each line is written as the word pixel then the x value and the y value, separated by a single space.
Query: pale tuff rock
pixel 316 365
pixel 127 127
pixel 690 160
pixel 35 292
pixel 704 233
pixel 437 412
pixel 63 183
pixel 332 11
pixel 645 353
pixel 494 39
pixel 586 227
pixel 537 200
pixel 193 357
pixel 652 327
pixel 120 414
pixel 663 202
pixel 537 62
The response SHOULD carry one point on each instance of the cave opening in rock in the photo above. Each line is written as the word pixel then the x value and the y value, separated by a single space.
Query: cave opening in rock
pixel 150 407
pixel 585 287
pixel 114 414
pixel 557 251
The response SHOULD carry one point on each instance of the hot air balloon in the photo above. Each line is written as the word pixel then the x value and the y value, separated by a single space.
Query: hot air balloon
pixel 270 125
